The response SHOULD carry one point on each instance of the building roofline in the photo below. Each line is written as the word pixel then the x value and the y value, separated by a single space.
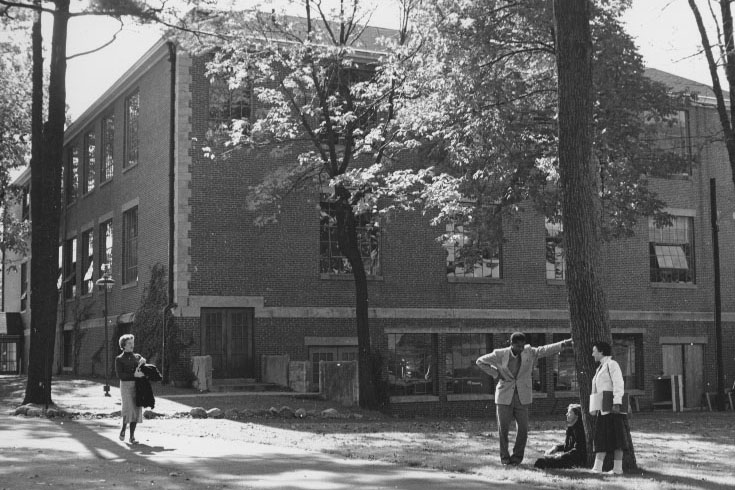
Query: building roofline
pixel 102 102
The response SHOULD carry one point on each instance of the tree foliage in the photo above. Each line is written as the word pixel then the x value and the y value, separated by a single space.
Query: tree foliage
pixel 487 106
pixel 15 121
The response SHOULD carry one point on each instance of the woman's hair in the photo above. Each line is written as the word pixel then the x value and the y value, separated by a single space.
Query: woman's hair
pixel 576 408
pixel 125 338
pixel 603 348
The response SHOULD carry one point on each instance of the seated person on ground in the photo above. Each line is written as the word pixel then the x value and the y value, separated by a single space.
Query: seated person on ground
pixel 573 453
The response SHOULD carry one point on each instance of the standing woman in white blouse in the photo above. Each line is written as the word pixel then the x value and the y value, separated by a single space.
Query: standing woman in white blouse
pixel 610 435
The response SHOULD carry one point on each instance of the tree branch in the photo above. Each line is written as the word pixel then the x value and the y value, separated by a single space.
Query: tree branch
pixel 99 48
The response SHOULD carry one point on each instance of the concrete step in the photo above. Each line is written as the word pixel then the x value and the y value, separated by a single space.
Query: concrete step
pixel 243 384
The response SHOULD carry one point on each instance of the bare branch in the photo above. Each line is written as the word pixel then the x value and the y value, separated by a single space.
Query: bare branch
pixel 112 40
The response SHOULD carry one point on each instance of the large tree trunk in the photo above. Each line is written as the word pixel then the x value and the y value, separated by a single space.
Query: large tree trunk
pixel 579 190
pixel 46 209
pixel 349 246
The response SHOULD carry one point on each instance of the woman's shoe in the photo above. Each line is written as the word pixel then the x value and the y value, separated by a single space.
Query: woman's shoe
pixel 133 441
pixel 122 436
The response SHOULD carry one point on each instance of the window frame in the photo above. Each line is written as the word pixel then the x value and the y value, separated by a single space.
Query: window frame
pixel 105 251
pixel 70 268
pixel 554 234
pixel 369 236
pixel 89 162
pixel 24 286
pixel 411 385
pixel 476 381
pixel 71 183
pixel 450 231
pixel 88 244
pixel 107 162
pixel 130 235
pixel 657 255
pixel 131 148
pixel 218 125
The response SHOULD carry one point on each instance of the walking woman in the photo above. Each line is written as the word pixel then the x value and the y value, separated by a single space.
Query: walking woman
pixel 127 367
pixel 610 435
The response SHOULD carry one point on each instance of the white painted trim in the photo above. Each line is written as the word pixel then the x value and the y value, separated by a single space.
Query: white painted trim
pixel 683 340
pixel 414 399
pixel 130 204
pixel 330 341
pixel 452 397
pixel 105 217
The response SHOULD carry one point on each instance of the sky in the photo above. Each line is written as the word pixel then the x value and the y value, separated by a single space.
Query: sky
pixel 664 31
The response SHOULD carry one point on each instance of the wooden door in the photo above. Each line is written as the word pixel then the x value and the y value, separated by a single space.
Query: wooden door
pixel 227 335
pixel 693 375
pixel 673 359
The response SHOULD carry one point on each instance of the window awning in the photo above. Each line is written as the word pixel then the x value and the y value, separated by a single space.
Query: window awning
pixel 671 257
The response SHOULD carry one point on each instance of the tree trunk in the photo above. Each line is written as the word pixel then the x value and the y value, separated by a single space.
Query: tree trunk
pixel 579 191
pixel 349 246
pixel 46 209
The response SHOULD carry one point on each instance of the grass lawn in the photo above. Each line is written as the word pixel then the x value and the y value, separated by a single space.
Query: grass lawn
pixel 690 450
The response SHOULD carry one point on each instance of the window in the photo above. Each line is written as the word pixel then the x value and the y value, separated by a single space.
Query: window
pixel 26 204
pixel 331 260
pixel 564 367
pixel 468 255
pixel 132 111
pixel 627 349
pixel 68 348
pixel 70 268
pixel 130 245
pixel 329 353
pixel 105 244
pixel 24 286
pixel 9 358
pixel 670 151
pixel 671 251
pixel 88 262
pixel 72 174
pixel 556 262
pixel 90 162
pixel 60 277
pixel 410 364
pixel 538 376
pixel 108 143
pixel 463 375
pixel 226 104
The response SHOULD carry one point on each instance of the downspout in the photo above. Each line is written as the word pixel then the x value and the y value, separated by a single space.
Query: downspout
pixel 171 173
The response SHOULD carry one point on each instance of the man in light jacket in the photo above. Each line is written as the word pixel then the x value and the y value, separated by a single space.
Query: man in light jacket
pixel 512 368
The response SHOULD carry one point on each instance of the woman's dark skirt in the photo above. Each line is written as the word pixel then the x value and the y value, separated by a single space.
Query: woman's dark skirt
pixel 610 433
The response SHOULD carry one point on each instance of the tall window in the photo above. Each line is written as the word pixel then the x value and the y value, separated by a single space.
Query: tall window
pixel 70 268
pixel 26 204
pixel 60 277
pixel 88 261
pixel 132 111
pixel 411 364
pixel 556 262
pixel 670 145
pixel 90 161
pixel 627 349
pixel 105 244
pixel 23 286
pixel 67 341
pixel 72 174
pixel 107 163
pixel 671 250
pixel 468 254
pixel 462 374
pixel 563 367
pixel 130 245
pixel 331 259
pixel 226 104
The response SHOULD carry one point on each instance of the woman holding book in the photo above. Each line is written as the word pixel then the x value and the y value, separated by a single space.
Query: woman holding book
pixel 610 435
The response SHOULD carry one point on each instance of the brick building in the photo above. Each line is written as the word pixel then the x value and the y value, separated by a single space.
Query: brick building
pixel 139 191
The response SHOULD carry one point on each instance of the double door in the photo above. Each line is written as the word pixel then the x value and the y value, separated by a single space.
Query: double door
pixel 227 336
pixel 686 360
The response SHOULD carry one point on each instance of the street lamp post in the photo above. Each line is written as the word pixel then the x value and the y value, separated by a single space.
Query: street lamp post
pixel 105 283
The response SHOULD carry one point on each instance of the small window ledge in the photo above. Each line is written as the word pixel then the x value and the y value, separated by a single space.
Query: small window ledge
pixel 673 285
pixel 477 280
pixel 537 394
pixel 345 277
pixel 555 282
pixel 469 397
pixel 104 183
pixel 87 194
pixel 129 285
pixel 414 399
pixel 129 168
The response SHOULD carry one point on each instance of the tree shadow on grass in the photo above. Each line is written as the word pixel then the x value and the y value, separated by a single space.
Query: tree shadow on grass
pixel 677 480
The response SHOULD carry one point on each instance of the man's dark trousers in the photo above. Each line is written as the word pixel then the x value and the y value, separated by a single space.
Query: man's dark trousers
pixel 506 414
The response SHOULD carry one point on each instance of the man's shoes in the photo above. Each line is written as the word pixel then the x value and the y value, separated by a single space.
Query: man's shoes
pixel 614 471
pixel 515 461
pixel 505 462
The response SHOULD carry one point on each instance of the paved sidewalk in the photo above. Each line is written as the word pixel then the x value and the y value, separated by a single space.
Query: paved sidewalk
pixel 87 454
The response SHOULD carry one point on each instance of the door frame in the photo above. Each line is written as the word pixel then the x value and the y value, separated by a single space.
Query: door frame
pixel 249 313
